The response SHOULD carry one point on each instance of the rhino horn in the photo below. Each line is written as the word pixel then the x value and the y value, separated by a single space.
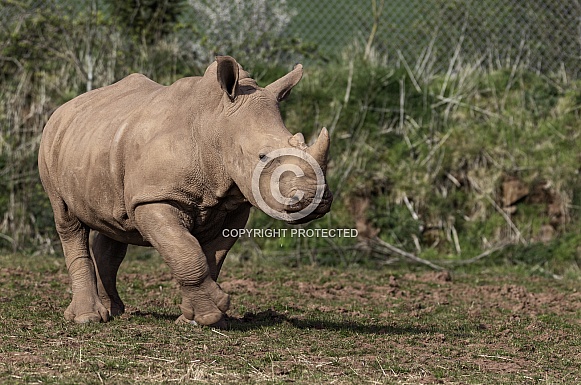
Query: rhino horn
pixel 298 141
pixel 320 149
pixel 283 86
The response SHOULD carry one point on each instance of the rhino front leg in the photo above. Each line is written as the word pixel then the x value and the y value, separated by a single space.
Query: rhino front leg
pixel 108 255
pixel 85 305
pixel 217 249
pixel 202 299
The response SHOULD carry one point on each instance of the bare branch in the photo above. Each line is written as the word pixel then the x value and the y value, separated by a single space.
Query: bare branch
pixel 481 255
pixel 382 246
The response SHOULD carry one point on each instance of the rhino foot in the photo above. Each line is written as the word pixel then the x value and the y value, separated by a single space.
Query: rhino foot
pixel 205 304
pixel 117 309
pixel 86 310
pixel 221 324
pixel 115 306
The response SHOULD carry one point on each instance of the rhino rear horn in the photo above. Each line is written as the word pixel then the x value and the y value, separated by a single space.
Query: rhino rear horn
pixel 228 75
pixel 298 141
pixel 320 149
pixel 283 86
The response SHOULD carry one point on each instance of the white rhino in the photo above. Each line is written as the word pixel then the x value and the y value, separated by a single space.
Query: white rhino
pixel 171 167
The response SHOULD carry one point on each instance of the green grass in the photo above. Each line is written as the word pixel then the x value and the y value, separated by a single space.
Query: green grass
pixel 492 323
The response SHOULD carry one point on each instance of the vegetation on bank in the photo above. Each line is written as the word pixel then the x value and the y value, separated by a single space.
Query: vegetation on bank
pixel 445 165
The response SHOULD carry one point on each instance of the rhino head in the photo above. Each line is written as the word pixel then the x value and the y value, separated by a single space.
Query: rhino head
pixel 274 170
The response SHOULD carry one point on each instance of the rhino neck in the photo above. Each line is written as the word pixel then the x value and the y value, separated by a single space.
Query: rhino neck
pixel 219 188
pixel 218 158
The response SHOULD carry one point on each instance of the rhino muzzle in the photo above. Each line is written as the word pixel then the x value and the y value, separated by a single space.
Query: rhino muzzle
pixel 323 207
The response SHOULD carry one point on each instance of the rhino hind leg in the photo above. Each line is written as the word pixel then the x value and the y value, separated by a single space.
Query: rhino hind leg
pixel 85 306
pixel 108 255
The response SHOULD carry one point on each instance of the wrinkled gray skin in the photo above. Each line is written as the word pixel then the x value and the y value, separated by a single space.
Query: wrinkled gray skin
pixel 168 167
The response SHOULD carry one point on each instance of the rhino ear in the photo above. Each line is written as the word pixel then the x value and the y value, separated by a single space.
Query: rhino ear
pixel 283 86
pixel 228 75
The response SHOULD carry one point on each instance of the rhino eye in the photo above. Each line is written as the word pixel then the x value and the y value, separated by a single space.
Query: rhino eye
pixel 262 156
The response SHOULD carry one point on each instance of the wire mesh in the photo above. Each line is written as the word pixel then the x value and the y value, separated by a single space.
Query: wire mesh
pixel 542 35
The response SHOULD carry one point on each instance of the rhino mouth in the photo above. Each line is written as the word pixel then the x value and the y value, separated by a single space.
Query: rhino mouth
pixel 322 208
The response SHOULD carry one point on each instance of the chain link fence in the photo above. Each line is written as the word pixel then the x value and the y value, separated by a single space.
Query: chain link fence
pixel 544 35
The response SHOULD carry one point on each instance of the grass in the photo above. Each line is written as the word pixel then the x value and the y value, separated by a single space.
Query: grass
pixel 492 323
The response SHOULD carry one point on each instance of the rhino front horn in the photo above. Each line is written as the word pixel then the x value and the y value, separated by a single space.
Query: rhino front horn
pixel 320 149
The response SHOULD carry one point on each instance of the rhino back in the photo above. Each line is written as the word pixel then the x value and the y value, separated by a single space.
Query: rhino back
pixel 111 149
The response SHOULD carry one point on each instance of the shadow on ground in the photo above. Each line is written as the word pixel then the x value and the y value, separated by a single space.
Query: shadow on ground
pixel 271 318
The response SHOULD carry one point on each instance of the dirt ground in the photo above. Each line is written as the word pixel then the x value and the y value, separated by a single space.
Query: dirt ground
pixel 509 321
pixel 300 325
